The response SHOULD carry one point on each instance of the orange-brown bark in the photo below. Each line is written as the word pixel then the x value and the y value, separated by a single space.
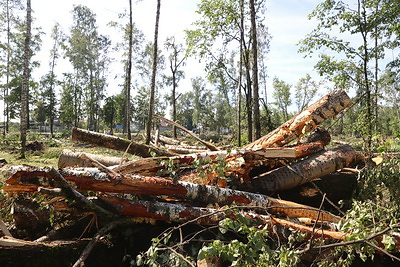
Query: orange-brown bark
pixel 306 121
pixel 317 165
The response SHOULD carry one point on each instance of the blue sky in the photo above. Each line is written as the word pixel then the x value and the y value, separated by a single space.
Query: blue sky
pixel 286 19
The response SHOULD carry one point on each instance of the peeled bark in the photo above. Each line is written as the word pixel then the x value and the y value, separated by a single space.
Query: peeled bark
pixel 318 165
pixel 113 142
pixel 69 158
pixel 307 120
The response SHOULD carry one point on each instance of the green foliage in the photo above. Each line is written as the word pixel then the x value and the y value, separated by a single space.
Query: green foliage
pixel 255 249
pixel 87 51
pixel 376 207
pixel 356 37
pixel 170 169
pixel 282 96
pixel 239 242
pixel 381 183
pixel 109 112
pixel 306 88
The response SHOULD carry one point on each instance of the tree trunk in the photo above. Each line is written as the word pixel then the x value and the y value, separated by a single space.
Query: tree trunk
pixel 195 193
pixel 116 143
pixel 307 120
pixel 207 144
pixel 249 109
pixel 338 186
pixel 239 90
pixel 166 140
pixel 6 90
pixel 128 77
pixel 254 48
pixel 238 162
pixel 153 77
pixel 318 165
pixel 69 158
pixel 173 97
pixel 25 79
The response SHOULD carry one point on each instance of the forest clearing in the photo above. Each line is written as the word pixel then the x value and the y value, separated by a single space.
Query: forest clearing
pixel 200 133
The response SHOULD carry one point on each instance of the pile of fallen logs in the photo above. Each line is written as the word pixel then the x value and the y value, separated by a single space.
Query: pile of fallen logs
pixel 164 185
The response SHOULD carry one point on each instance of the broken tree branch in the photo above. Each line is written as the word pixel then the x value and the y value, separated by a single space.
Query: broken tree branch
pixel 72 194
pixel 103 231
pixel 207 144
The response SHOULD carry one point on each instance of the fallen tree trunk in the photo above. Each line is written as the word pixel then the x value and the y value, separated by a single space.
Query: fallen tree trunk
pixel 205 216
pixel 179 213
pixel 185 149
pixel 238 162
pixel 69 158
pixel 306 121
pixel 207 144
pixel 197 193
pixel 113 142
pixel 315 166
pixel 166 140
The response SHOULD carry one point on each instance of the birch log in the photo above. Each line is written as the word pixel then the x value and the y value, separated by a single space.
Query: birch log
pixel 113 142
pixel 198 193
pixel 315 166
pixel 239 162
pixel 306 121
pixel 69 158
pixel 205 216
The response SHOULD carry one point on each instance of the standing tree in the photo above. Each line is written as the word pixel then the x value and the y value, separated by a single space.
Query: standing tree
pixel 254 48
pixel 7 16
pixel 130 47
pixel 49 81
pixel 87 51
pixel 351 59
pixel 109 113
pixel 202 104
pixel 68 102
pixel 25 79
pixel 144 67
pixel 175 62
pixel 225 22
pixel 128 75
pixel 306 88
pixel 153 77
pixel 282 96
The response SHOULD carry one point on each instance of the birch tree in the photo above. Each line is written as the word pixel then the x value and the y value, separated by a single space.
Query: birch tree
pixel 25 79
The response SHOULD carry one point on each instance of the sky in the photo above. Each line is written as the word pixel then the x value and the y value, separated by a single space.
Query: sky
pixel 286 19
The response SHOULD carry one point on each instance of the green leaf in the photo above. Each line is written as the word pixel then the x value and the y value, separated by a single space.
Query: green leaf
pixel 389 242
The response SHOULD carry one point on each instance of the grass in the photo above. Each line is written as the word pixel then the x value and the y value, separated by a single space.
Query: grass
pixel 10 151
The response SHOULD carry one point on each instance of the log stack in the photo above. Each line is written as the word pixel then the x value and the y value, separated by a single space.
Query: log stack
pixel 200 187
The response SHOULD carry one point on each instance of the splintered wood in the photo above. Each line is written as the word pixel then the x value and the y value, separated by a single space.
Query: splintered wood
pixel 206 186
